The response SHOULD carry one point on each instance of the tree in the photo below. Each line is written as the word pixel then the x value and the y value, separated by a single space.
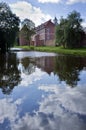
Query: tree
pixel 29 23
pixel 69 31
pixel 60 32
pixel 9 26
pixel 26 33
pixel 27 30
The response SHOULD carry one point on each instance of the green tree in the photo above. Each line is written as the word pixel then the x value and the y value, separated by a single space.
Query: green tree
pixel 69 31
pixel 60 32
pixel 27 30
pixel 30 24
pixel 9 26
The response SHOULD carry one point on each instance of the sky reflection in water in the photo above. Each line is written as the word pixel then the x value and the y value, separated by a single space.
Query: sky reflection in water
pixel 42 92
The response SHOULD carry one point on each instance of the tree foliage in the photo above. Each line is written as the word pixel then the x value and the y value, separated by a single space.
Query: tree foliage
pixel 9 26
pixel 29 23
pixel 27 31
pixel 69 31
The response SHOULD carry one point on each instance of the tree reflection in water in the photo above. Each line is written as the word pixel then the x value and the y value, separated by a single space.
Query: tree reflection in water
pixel 9 73
pixel 68 68
pixel 28 66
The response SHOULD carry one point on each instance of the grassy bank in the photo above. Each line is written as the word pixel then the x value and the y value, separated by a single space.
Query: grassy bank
pixel 80 51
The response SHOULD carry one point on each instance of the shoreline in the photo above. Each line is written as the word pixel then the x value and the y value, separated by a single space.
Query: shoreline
pixel 61 50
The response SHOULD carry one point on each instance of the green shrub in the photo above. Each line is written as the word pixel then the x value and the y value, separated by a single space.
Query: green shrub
pixel 32 47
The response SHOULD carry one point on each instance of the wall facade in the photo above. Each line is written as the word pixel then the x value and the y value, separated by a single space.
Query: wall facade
pixel 50 42
pixel 45 34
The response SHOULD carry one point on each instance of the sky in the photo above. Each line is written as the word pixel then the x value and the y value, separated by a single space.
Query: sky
pixel 40 11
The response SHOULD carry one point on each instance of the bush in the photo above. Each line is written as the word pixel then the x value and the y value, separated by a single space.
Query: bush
pixel 32 47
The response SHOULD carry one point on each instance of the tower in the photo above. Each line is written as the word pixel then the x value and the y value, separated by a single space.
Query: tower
pixel 55 21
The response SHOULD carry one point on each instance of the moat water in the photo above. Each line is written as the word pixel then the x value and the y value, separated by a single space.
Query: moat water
pixel 42 91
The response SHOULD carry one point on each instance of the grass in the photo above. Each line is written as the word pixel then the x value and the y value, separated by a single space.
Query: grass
pixel 80 51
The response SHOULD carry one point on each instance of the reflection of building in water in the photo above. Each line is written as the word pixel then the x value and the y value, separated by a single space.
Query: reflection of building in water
pixel 47 64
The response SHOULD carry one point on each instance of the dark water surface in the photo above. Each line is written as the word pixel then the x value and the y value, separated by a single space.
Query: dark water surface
pixel 42 91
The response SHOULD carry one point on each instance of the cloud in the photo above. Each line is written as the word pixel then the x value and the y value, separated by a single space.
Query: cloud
pixel 9 109
pixel 24 10
pixel 29 79
pixel 75 1
pixel 49 1
pixel 62 109
pixel 65 98
pixel 84 24
pixel 61 1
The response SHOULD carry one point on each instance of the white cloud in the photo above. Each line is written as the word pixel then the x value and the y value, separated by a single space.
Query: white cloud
pixel 75 1
pixel 49 1
pixel 29 79
pixel 24 10
pixel 84 24
pixel 9 110
pixel 66 98
pixel 61 1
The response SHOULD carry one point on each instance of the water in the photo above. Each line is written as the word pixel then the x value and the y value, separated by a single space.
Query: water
pixel 42 91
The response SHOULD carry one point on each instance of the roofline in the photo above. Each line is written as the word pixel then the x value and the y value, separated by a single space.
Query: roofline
pixel 44 24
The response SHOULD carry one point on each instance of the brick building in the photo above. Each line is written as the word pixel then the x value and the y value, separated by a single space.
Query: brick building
pixel 44 35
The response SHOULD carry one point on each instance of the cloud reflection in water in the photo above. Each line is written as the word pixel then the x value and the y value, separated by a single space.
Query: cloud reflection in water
pixel 62 109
